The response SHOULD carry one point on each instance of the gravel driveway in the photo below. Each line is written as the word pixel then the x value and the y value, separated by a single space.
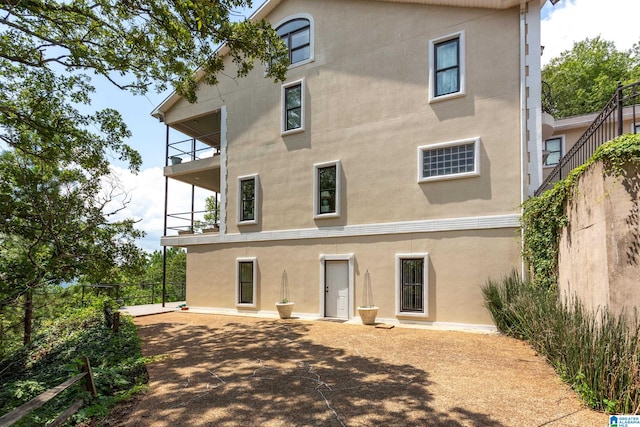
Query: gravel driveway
pixel 213 370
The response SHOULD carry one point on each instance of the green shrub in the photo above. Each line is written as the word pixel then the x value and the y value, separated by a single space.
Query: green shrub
pixel 116 361
pixel 598 354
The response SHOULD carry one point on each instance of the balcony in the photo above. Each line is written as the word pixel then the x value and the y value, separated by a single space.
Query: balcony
pixel 195 163
pixel 193 158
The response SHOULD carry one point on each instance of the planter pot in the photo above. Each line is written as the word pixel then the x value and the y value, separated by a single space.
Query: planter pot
pixel 210 230
pixel 284 309
pixel 184 308
pixel 368 314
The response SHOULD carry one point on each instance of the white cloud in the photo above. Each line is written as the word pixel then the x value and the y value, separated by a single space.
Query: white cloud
pixel 574 20
pixel 145 194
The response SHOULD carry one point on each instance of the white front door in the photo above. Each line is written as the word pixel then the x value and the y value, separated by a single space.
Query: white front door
pixel 336 301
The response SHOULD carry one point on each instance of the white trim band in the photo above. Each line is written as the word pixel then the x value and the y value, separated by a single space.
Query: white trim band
pixel 424 226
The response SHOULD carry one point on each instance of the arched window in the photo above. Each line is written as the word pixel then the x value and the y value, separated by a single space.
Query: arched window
pixel 296 34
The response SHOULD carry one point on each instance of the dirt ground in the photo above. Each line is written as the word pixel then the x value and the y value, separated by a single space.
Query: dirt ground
pixel 213 370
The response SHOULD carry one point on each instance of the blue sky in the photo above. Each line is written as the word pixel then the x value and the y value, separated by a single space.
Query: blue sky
pixel 562 25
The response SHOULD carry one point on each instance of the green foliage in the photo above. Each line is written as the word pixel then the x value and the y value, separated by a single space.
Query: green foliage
pixel 583 79
pixel 543 217
pixel 54 227
pixel 598 354
pixel 116 360
pixel 138 45
pixel 55 198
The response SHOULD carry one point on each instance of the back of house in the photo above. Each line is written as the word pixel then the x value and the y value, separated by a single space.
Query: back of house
pixel 401 144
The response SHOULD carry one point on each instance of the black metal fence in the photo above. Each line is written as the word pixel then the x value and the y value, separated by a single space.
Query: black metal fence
pixel 608 125
pixel 139 294
pixel 151 293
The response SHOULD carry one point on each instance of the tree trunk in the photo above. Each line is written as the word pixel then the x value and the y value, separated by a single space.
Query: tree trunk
pixel 28 316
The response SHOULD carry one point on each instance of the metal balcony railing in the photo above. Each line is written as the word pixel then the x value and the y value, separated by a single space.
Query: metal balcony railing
pixel 194 222
pixel 191 149
pixel 606 126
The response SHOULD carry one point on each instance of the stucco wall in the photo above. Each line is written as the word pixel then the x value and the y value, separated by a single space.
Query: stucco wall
pixel 459 263
pixel 599 259
pixel 367 105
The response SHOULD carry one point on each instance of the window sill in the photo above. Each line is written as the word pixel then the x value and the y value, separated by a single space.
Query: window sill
pixel 301 63
pixel 411 314
pixel 249 222
pixel 433 100
pixel 327 215
pixel 240 306
pixel 292 131
pixel 448 177
pixel 549 166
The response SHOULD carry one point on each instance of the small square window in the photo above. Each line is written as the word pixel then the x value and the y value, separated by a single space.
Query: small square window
pixel 246 289
pixel 455 159
pixel 248 187
pixel 446 67
pixel 553 147
pixel 293 107
pixel 326 185
pixel 412 284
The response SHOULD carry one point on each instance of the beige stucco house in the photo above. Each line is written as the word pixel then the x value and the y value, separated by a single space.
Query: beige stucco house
pixel 401 144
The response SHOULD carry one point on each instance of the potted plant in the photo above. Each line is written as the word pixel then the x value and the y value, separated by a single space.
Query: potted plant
pixel 284 305
pixel 207 226
pixel 188 230
pixel 367 311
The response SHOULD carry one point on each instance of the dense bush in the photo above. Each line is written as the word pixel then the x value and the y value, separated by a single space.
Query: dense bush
pixel 597 353
pixel 116 360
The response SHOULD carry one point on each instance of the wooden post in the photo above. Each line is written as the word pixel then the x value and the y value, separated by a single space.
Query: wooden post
pixel 116 322
pixel 89 383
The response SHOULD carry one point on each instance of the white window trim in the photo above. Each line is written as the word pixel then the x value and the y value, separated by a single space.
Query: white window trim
pixel 432 71
pixel 562 149
pixel 476 160
pixel 316 186
pixel 284 107
pixel 425 280
pixel 256 200
pixel 311 36
pixel 255 282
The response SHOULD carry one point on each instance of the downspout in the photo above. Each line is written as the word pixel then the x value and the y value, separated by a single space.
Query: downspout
pixel 523 124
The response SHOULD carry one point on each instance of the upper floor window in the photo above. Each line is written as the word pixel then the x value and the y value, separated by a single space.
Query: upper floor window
pixel 297 34
pixel 293 107
pixel 446 67
pixel 326 185
pixel 454 159
pixel 248 199
pixel 553 147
